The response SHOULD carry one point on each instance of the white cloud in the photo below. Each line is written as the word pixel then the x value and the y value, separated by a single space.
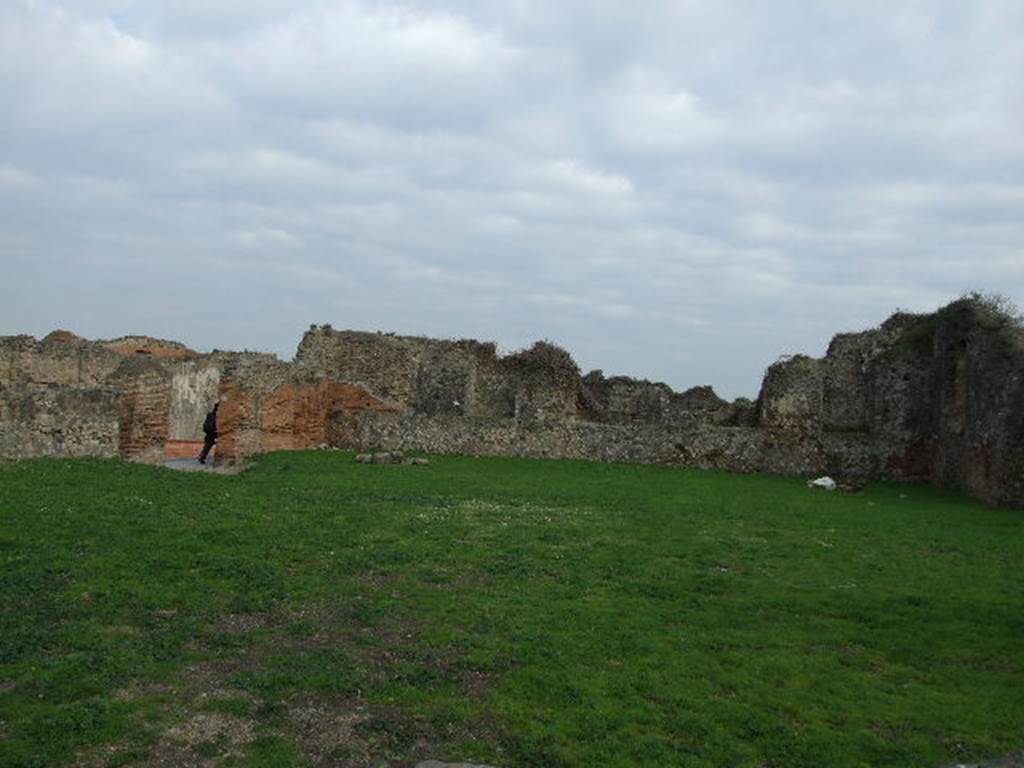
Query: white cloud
pixel 497 222
pixel 260 165
pixel 672 190
pixel 65 74
pixel 648 114
pixel 267 238
pixel 351 59
pixel 578 178
pixel 13 177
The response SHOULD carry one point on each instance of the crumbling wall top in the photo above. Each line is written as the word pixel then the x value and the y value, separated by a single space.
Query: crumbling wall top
pixel 147 345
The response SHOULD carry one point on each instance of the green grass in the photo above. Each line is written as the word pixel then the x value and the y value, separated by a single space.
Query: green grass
pixel 315 611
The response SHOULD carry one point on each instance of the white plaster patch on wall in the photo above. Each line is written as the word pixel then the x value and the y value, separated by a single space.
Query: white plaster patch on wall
pixel 193 392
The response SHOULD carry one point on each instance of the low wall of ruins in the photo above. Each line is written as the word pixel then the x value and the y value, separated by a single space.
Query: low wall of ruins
pixel 927 398
pixel 59 421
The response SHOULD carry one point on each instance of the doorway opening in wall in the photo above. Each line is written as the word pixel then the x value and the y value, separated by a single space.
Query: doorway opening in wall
pixel 194 390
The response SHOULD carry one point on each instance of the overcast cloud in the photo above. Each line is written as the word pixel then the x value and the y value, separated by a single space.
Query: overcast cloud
pixel 680 191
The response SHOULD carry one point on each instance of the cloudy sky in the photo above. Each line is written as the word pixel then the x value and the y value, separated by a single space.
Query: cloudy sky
pixel 680 191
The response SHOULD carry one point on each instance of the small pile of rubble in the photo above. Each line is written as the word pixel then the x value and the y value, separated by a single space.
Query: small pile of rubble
pixel 390 457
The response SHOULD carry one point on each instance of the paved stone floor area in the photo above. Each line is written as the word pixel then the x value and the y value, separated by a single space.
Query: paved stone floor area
pixel 193 465
pixel 188 465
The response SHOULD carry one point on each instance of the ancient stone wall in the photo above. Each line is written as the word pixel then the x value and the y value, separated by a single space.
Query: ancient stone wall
pixel 545 381
pixel 624 400
pixel 128 377
pixel 977 402
pixel 147 345
pixel 145 408
pixel 51 420
pixel 935 398
pixel 791 395
pixel 706 446
pixel 61 358
pixel 845 390
pixel 384 364
pixel 436 377
pixel 267 405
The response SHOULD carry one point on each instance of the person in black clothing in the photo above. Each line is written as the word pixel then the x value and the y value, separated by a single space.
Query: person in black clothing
pixel 210 432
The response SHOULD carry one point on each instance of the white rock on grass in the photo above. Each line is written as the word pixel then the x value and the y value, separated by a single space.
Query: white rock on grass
pixel 825 482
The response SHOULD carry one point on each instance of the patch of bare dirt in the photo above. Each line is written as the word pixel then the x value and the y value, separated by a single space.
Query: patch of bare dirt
pixel 202 741
pixel 211 727
pixel 325 728
pixel 390 732
pixel 242 623
pixel 377 579
pixel 138 690
pixel 100 757
pixel 205 680
pixel 335 732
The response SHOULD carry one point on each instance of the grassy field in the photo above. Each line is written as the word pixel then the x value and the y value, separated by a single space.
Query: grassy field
pixel 315 611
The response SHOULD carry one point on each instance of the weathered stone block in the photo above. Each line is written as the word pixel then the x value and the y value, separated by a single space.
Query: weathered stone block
pixel 791 395
pixel 47 420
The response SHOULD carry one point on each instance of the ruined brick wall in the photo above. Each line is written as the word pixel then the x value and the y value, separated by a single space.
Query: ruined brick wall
pixel 702 445
pixel 14 354
pixel 936 398
pixel 791 395
pixel 64 359
pixel 899 380
pixel 545 382
pixel 267 405
pixel 437 377
pixel 457 378
pixel 160 399
pixel 870 389
pixel 845 391
pixel 927 398
pixel 147 345
pixel 60 358
pixel 624 400
pixel 977 401
pixel 145 388
pixel 68 396
pixel 51 420
pixel 306 415
pixel 244 381
pixel 384 364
